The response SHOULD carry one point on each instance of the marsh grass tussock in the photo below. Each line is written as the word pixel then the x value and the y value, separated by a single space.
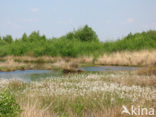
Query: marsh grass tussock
pixel 86 94
pixel 148 70
pixel 127 58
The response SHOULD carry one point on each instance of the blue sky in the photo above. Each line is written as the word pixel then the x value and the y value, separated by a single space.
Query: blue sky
pixel 111 19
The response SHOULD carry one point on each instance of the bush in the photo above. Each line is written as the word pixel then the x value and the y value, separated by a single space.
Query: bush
pixel 84 34
pixel 8 105
pixel 81 42
pixel 8 39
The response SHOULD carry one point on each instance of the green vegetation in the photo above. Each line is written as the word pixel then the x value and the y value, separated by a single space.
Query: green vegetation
pixel 83 41
pixel 8 105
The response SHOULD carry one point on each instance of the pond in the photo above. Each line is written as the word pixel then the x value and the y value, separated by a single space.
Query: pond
pixel 33 75
pixel 28 75
pixel 109 68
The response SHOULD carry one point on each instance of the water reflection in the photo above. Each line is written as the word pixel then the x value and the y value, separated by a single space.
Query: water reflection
pixel 109 68
pixel 29 75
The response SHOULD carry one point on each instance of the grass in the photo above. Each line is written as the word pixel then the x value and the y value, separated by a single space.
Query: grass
pixel 150 70
pixel 125 58
pixel 81 95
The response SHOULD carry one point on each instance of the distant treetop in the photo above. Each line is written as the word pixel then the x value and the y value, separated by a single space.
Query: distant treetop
pixel 85 33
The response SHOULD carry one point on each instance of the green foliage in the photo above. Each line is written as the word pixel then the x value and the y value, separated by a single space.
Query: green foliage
pixel 84 34
pixel 8 105
pixel 8 39
pixel 81 42
pixel 24 37
pixel 95 56
pixel 78 107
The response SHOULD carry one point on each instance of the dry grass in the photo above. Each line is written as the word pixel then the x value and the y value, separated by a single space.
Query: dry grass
pixel 11 63
pixel 32 110
pixel 149 70
pixel 131 79
pixel 83 95
pixel 141 58
pixel 137 58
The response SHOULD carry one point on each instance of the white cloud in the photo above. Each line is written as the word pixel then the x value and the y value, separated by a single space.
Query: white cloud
pixel 35 10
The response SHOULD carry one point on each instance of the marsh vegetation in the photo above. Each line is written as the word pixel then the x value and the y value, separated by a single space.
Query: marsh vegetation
pixel 83 94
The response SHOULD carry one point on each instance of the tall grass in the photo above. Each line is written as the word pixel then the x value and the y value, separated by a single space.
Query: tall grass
pixel 89 94
pixel 83 41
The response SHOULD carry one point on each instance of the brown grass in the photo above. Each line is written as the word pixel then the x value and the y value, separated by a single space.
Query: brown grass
pixel 32 110
pixel 137 58
pixel 150 70
pixel 83 95
pixel 11 63
pixel 135 80
pixel 126 58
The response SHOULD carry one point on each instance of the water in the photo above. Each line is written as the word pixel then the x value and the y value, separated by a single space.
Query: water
pixel 33 75
pixel 28 75
pixel 109 68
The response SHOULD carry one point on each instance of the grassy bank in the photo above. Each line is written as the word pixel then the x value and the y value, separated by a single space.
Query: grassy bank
pixel 82 95
pixel 81 42
pixel 125 58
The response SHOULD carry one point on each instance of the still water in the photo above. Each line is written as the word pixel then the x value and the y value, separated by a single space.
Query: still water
pixel 110 68
pixel 33 75
pixel 28 75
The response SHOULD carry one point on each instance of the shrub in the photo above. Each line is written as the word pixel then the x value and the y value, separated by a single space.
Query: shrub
pixel 81 42
pixel 86 34
pixel 83 34
pixel 8 39
pixel 8 105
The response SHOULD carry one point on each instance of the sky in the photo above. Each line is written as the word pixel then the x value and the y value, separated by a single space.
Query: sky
pixel 111 19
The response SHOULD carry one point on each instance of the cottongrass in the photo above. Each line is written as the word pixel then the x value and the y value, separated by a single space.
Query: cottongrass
pixel 84 87
pixel 83 95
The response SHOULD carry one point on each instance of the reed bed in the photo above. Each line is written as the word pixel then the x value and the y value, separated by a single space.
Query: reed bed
pixel 126 58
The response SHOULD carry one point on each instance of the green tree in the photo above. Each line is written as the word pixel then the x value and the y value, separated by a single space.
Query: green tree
pixel 34 36
pixel 8 39
pixel 86 34
pixel 129 36
pixel 24 37
pixel 70 35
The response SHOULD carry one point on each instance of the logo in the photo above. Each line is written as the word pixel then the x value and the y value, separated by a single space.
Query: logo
pixel 137 110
